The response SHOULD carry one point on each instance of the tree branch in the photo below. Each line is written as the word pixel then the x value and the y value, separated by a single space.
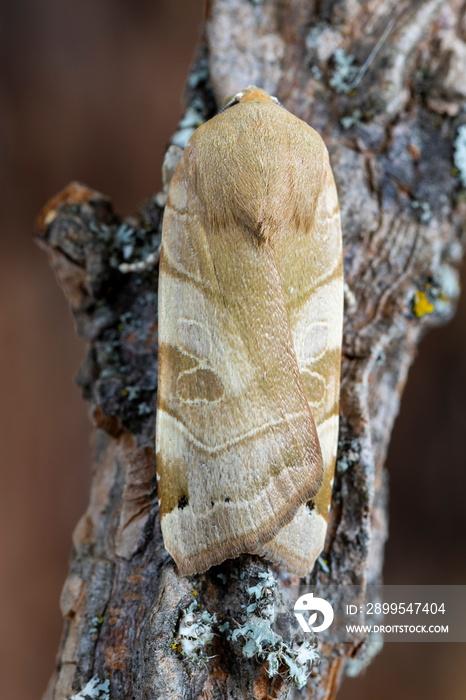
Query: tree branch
pixel 382 83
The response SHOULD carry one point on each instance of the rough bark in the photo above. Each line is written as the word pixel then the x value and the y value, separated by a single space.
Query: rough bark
pixel 383 82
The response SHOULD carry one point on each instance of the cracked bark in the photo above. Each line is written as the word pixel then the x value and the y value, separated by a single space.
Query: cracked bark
pixel 383 83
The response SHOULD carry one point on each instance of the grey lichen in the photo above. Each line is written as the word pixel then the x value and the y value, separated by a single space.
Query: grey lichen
pixel 95 624
pixel 95 689
pixel 350 456
pixel 195 634
pixel 313 37
pixel 186 127
pixel 200 74
pixel 144 409
pixel 130 240
pixel 322 41
pixel 448 280
pixel 344 73
pixel 459 155
pixel 323 564
pixel 425 212
pixel 351 120
pixel 294 658
pixel 260 641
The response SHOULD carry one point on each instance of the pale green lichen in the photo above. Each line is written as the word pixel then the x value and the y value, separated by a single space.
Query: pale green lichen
pixel 256 637
pixel 448 280
pixel 132 392
pixel 263 643
pixel 95 689
pixel 190 119
pixel 181 137
pixel 144 409
pixel 424 209
pixel 352 120
pixel 129 240
pixel 350 457
pixel 459 155
pixel 125 240
pixel 195 634
pixel 313 37
pixel 186 127
pixel 344 73
pixel 200 74
pixel 323 564
pixel 95 624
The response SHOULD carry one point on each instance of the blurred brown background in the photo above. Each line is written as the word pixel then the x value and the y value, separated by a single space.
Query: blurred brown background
pixel 92 91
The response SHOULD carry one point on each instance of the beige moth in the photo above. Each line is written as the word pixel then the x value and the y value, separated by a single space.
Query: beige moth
pixel 250 326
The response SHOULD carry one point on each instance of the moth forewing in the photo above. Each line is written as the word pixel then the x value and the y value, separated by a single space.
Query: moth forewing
pixel 315 308
pixel 243 346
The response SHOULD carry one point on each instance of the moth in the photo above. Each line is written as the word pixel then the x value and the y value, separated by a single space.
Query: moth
pixel 250 327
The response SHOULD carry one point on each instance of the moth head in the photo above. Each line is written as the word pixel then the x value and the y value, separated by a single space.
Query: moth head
pixel 248 95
